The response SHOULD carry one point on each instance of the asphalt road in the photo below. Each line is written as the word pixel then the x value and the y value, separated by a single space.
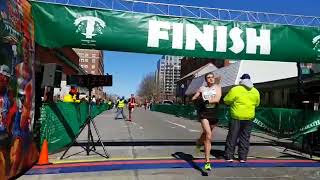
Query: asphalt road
pixel 154 138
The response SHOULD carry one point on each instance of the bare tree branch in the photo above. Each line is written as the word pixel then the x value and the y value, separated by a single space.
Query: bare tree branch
pixel 147 88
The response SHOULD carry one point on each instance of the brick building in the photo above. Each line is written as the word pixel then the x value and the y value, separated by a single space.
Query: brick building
pixel 92 63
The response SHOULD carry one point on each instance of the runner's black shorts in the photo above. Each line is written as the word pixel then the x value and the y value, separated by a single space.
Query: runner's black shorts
pixel 211 114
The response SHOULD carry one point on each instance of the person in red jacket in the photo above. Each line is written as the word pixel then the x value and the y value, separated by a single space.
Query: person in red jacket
pixel 131 105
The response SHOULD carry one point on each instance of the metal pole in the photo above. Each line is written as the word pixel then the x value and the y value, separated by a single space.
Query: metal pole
pixel 299 84
pixel 89 128
pixel 99 137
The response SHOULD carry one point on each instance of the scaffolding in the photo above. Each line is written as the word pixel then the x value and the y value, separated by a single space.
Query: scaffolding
pixel 179 10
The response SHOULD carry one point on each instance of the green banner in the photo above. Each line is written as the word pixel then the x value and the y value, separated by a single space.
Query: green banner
pixel 279 122
pixel 68 26
pixel 61 122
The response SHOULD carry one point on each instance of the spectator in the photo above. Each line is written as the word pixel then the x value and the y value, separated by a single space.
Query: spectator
pixel 120 105
pixel 243 100
pixel 93 100
pixel 71 96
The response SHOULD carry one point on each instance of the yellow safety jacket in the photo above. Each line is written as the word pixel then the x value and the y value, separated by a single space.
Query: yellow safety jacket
pixel 69 98
pixel 121 104
pixel 242 102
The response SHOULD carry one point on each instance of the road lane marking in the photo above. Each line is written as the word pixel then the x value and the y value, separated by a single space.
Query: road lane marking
pixel 155 158
pixel 176 124
pixel 256 177
pixel 111 159
pixel 193 130
pixel 134 123
pixel 180 125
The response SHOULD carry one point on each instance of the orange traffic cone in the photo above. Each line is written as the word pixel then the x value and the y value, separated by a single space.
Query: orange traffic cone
pixel 44 158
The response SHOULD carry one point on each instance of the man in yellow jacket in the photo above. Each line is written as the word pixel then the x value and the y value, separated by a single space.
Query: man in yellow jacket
pixel 71 96
pixel 243 100
pixel 120 105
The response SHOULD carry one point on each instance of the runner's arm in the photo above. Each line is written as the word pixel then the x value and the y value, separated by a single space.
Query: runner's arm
pixel 196 95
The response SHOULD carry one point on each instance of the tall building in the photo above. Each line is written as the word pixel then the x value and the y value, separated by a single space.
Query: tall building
pixel 92 62
pixel 169 69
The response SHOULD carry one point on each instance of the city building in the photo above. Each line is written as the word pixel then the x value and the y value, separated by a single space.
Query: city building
pixel 169 69
pixel 66 58
pixel 189 64
pixel 273 79
pixel 92 63
pixel 184 82
pixel 192 67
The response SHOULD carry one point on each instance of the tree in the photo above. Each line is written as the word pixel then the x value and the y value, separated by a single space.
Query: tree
pixel 148 88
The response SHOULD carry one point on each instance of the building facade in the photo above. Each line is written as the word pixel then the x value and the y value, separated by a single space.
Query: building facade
pixel 189 64
pixel 92 62
pixel 192 67
pixel 168 72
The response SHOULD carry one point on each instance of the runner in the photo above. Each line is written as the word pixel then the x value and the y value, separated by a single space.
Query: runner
pixel 131 104
pixel 207 112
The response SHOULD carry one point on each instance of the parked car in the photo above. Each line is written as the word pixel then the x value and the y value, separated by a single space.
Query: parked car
pixel 167 102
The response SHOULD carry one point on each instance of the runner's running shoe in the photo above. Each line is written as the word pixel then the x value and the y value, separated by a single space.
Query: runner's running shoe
pixel 207 166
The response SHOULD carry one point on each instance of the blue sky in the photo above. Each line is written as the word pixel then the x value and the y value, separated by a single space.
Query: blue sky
pixel 128 69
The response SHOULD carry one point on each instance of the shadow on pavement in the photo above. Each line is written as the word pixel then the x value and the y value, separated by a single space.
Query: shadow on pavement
pixel 219 154
pixel 189 159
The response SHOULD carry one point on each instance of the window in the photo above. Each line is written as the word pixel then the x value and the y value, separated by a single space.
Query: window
pixel 92 72
pixel 93 61
pixel 85 66
pixel 93 66
pixel 86 55
pixel 85 60
pixel 93 55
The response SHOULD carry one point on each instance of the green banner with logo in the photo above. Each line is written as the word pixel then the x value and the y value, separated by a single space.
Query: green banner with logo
pixel 279 122
pixel 69 26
